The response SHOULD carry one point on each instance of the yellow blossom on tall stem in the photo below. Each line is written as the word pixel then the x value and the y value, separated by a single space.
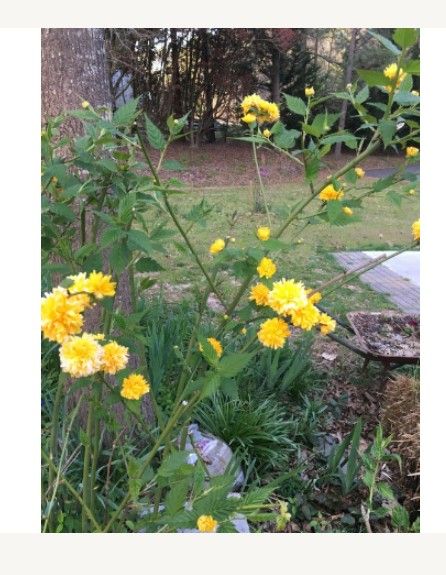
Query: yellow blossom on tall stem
pixel 263 233
pixel 306 317
pixel 218 348
pixel 391 72
pixel 266 268
pixel 249 118
pixel 81 356
pixel 416 230
pixel 61 314
pixel 329 193
pixel 411 152
pixel 359 172
pixel 287 296
pixel 273 333
pixel 260 109
pixel 115 357
pixel 217 246
pixel 309 91
pixel 259 294
pixel 134 386
pixel 207 524
pixel 101 285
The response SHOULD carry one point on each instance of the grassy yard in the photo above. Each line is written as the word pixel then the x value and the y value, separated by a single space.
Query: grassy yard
pixel 383 225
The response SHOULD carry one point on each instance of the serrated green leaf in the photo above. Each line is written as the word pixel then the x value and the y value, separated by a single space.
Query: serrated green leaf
pixel 154 135
pixel 231 365
pixel 387 129
pixel 405 98
pixel 119 257
pixel 111 235
pixel 172 463
pixel 126 114
pixel 148 265
pixel 141 240
pixel 173 166
pixel 296 105
pixel 63 211
pixel 385 490
pixel 348 139
pixel 362 95
pixel 176 497
pixel 373 77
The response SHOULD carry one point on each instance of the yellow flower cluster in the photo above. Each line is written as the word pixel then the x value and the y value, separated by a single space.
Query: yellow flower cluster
pixel 62 314
pixel 257 109
pixel 329 193
pixel 207 524
pixel 291 299
pixel 81 356
pixel 96 283
pixel 416 230
pixel 390 72
pixel 217 246
pixel 134 386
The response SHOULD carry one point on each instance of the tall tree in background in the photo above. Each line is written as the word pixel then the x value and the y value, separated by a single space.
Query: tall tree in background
pixel 73 69
pixel 350 63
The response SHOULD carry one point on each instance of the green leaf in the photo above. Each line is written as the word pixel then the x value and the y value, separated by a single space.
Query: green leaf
pixel 373 77
pixel 231 365
pixel 172 463
pixel 387 129
pixel 286 138
pixel 176 497
pixel 405 37
pixel 353 462
pixel 148 265
pixel 119 257
pixel 210 385
pixel 362 95
pixel 394 197
pixel 176 125
pixel 386 43
pixel 111 235
pixel 400 518
pixel 296 105
pixel 255 139
pixel 385 490
pixel 126 114
pixel 405 98
pixel 154 135
pixel 141 240
pixel 147 283
pixel 63 211
pixel 412 67
pixel 92 263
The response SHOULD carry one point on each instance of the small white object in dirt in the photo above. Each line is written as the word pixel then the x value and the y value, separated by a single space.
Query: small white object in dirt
pixel 214 304
pixel 329 356
pixel 215 453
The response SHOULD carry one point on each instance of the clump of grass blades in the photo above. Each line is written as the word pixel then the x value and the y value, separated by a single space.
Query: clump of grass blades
pixel 259 432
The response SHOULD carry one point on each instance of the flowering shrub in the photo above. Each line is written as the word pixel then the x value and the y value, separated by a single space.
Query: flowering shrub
pixel 101 211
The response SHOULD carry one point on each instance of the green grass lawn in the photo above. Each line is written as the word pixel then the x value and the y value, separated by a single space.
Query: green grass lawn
pixel 383 225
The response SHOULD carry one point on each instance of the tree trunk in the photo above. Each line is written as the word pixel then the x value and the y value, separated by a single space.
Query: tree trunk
pixel 208 116
pixel 74 69
pixel 347 80
pixel 275 75
pixel 175 94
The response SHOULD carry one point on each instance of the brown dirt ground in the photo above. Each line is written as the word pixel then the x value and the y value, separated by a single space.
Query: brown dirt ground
pixel 230 164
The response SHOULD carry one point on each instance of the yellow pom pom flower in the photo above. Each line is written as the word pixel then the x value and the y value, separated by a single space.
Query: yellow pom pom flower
pixel 416 230
pixel 266 133
pixel 114 358
pixel 81 356
pixel 80 283
pixel 411 152
pixel 266 268
pixel 259 294
pixel 314 298
pixel 262 110
pixel 306 318
pixel 134 386
pixel 243 331
pixel 329 193
pixel 359 172
pixel 85 104
pixel 216 345
pixel 347 211
pixel 327 324
pixel 217 246
pixel 263 233
pixel 61 314
pixel 273 333
pixel 309 91
pixel 101 285
pixel 207 524
pixel 287 296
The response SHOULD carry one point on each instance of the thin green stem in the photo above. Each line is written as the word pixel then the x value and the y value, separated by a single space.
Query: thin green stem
pixel 55 422
pixel 259 177
pixel 87 464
